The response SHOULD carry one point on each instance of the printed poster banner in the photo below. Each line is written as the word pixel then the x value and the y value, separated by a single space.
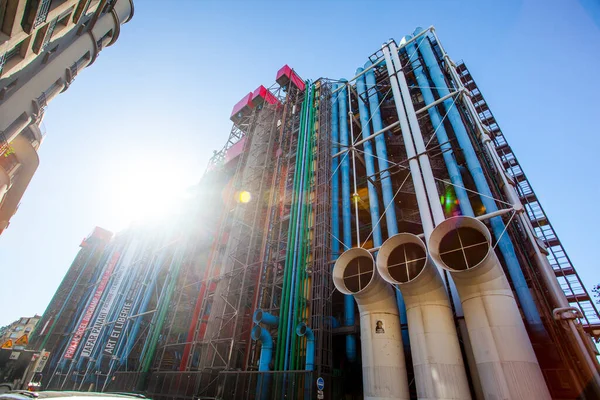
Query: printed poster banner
pixel 109 300
pixel 114 336
pixel 85 321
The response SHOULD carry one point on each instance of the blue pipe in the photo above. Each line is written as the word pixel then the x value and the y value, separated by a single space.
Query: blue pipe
pixel 128 286
pixel 369 160
pixel 382 158
pixel 333 322
pixel 266 355
pixel 335 179
pixel 131 338
pixel 303 330
pixel 442 136
pixel 346 215
pixel 264 317
pixel 504 243
pixel 386 186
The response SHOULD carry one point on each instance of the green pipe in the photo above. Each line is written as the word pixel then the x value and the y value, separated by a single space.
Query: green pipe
pixel 287 271
pixel 283 316
pixel 306 239
pixel 300 300
pixel 148 357
pixel 302 230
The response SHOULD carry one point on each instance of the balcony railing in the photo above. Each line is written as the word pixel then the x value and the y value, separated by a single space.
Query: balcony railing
pixel 36 12
pixel 49 33
pixel 42 13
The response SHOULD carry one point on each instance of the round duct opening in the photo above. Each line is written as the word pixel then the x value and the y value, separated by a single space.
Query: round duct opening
pixel 258 316
pixel 301 329
pixel 406 262
pixel 463 248
pixel 256 332
pixel 358 273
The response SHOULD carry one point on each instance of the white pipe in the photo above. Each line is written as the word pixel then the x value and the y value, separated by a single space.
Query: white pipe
pixel 557 295
pixel 383 365
pixel 380 60
pixel 438 101
pixel 415 129
pixel 355 194
pixel 507 365
pixel 439 368
pixel 415 171
pixel 372 136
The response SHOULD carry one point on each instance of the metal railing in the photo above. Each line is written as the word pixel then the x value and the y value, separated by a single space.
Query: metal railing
pixel 42 13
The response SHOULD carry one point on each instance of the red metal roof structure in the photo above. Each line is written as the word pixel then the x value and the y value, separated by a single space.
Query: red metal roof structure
pixel 262 94
pixel 286 74
pixel 235 150
pixel 241 108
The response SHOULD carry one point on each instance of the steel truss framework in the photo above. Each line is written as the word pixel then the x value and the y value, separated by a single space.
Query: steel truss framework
pixel 569 280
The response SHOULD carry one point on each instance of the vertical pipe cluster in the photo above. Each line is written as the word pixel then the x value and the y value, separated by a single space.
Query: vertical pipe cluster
pixel 293 305
pixel 370 90
pixel 473 165
pixel 340 102
pixel 158 319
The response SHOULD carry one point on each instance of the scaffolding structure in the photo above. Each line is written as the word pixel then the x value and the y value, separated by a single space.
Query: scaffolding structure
pixel 259 235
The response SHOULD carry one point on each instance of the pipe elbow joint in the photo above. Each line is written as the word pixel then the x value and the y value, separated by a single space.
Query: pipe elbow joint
pixel 303 330
pixel 261 334
pixel 264 317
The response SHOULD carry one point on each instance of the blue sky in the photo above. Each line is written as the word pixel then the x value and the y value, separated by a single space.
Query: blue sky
pixel 145 118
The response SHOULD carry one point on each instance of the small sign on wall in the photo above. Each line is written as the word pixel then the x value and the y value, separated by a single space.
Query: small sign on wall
pixel 379 326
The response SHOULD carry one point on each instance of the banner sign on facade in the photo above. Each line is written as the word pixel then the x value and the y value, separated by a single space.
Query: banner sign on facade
pixel 42 361
pixel 85 321
pixel 114 336
pixel 109 300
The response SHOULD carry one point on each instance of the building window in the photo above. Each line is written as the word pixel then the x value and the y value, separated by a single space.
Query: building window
pixel 27 330
pixel 12 53
pixel 49 33
pixel 18 328
pixel 9 59
pixel 24 321
pixel 101 41
pixel 14 335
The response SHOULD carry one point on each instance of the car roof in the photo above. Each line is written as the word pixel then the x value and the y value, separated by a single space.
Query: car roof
pixel 24 394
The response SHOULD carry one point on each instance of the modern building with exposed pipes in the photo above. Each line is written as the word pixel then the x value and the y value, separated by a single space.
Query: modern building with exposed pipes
pixel 44 44
pixel 372 236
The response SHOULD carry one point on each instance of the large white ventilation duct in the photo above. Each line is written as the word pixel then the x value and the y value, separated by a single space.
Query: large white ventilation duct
pixel 437 359
pixel 383 365
pixel 507 365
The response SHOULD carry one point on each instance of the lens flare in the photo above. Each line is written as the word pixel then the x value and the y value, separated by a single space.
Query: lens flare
pixel 244 197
